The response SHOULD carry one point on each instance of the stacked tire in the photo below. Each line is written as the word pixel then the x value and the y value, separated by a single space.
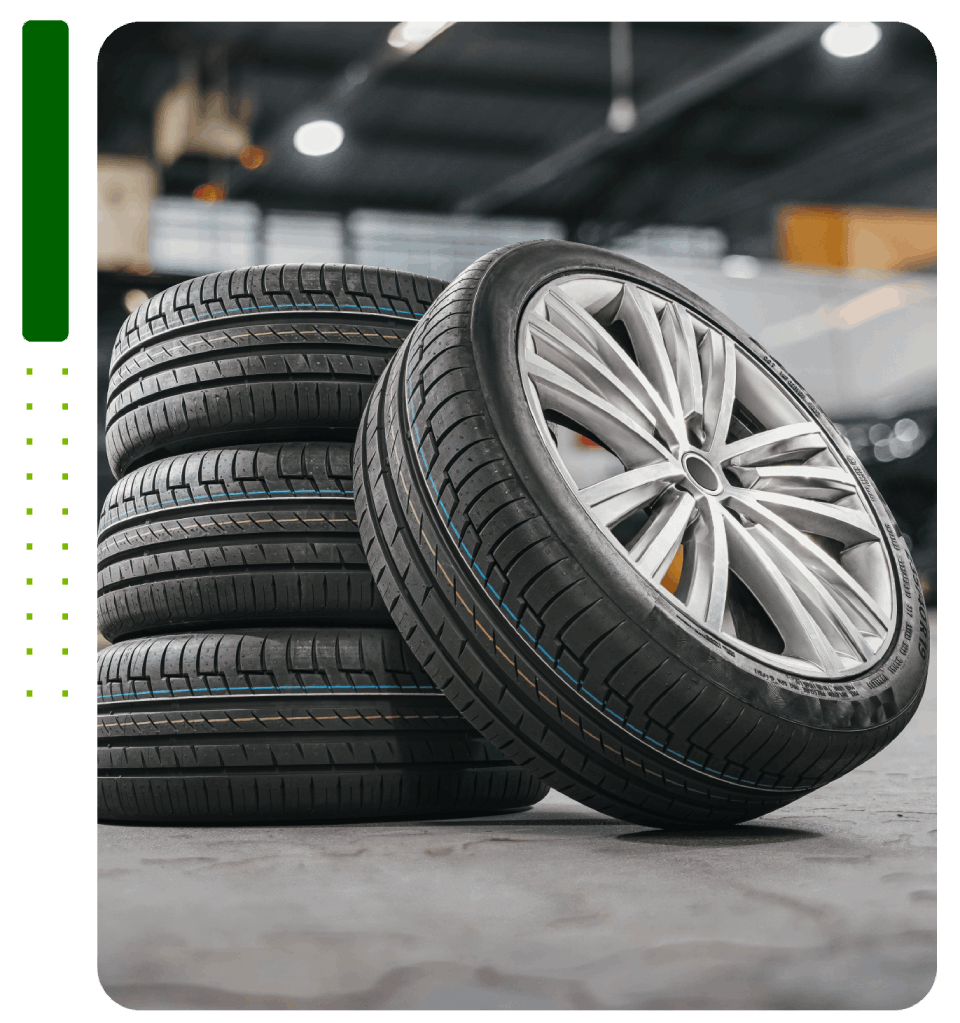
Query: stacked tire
pixel 256 673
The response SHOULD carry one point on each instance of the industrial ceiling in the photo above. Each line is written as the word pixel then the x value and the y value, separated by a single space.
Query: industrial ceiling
pixel 732 119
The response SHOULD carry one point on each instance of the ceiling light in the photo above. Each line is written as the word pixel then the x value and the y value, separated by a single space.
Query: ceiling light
pixel 410 36
pixel 850 38
pixel 317 138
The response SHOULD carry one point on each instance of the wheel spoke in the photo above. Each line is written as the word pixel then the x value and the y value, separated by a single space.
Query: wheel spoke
pixel 643 325
pixel 720 384
pixel 555 347
pixel 859 605
pixel 796 440
pixel 802 636
pixel 703 587
pixel 830 616
pixel 627 438
pixel 657 543
pixel 676 326
pixel 611 500
pixel 818 482
pixel 821 518
pixel 584 331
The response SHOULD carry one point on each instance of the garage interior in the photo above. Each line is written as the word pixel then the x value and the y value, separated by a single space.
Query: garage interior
pixel 792 187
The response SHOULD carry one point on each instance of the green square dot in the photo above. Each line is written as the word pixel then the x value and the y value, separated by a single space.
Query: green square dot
pixel 29 546
pixel 63 546
pixel 64 406
pixel 29 475
pixel 63 511
pixel 29 616
pixel 64 651
pixel 64 476
pixel 64 372
pixel 29 406
pixel 29 582
pixel 63 692
pixel 29 691
pixel 29 649
pixel 64 441
pixel 63 582
pixel 29 372
pixel 29 440
pixel 29 511
pixel 64 616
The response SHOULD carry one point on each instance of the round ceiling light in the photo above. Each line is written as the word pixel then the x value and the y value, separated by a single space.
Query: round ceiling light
pixel 318 138
pixel 850 38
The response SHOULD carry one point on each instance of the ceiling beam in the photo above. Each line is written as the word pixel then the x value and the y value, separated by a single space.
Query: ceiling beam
pixel 675 98
pixel 871 151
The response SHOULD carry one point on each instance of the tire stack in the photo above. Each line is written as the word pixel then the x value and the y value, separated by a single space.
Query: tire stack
pixel 256 673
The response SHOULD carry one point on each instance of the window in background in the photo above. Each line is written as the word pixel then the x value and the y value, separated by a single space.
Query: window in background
pixel 436 244
pixel 189 236
pixel 303 238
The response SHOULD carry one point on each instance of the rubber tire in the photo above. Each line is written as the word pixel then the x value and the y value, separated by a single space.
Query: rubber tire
pixel 258 535
pixel 372 738
pixel 289 352
pixel 590 677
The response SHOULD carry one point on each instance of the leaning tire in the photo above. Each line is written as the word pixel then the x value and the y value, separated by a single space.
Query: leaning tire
pixel 264 353
pixel 287 725
pixel 649 689
pixel 258 535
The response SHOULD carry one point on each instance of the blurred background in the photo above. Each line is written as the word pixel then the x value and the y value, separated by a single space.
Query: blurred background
pixel 786 172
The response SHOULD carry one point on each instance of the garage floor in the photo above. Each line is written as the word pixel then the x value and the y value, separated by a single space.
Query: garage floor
pixel 827 904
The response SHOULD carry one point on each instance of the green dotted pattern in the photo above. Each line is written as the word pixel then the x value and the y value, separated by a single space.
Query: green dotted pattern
pixel 38 406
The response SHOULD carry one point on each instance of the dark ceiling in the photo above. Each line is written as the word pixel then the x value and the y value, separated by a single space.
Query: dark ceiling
pixel 735 119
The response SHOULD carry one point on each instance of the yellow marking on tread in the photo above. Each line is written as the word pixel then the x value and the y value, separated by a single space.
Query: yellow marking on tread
pixel 612 750
pixel 243 719
pixel 277 718
pixel 552 703
pixel 482 629
pixel 592 736
pixel 499 651
pixel 634 762
pixel 211 720
pixel 427 542
pixel 442 569
pixel 567 716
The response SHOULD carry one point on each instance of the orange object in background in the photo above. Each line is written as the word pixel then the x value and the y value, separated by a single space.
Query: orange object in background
pixel 847 237
pixel 671 579
pixel 252 157
pixel 212 191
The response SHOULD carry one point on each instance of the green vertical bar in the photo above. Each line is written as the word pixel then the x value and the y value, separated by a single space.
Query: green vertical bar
pixel 45 176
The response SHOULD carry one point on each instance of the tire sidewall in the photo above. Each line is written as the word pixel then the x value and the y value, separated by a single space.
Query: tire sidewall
pixel 870 698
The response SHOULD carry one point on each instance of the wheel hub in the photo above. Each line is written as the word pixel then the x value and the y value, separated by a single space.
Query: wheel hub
pixel 702 474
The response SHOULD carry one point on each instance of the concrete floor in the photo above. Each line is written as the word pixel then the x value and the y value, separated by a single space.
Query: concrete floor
pixel 827 904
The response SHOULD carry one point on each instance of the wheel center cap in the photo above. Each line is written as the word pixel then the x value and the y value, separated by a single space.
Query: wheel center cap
pixel 702 473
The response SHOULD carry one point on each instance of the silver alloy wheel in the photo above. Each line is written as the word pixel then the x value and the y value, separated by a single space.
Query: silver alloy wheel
pixel 707 475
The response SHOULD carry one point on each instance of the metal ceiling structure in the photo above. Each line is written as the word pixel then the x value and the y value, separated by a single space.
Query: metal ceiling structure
pixel 733 119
